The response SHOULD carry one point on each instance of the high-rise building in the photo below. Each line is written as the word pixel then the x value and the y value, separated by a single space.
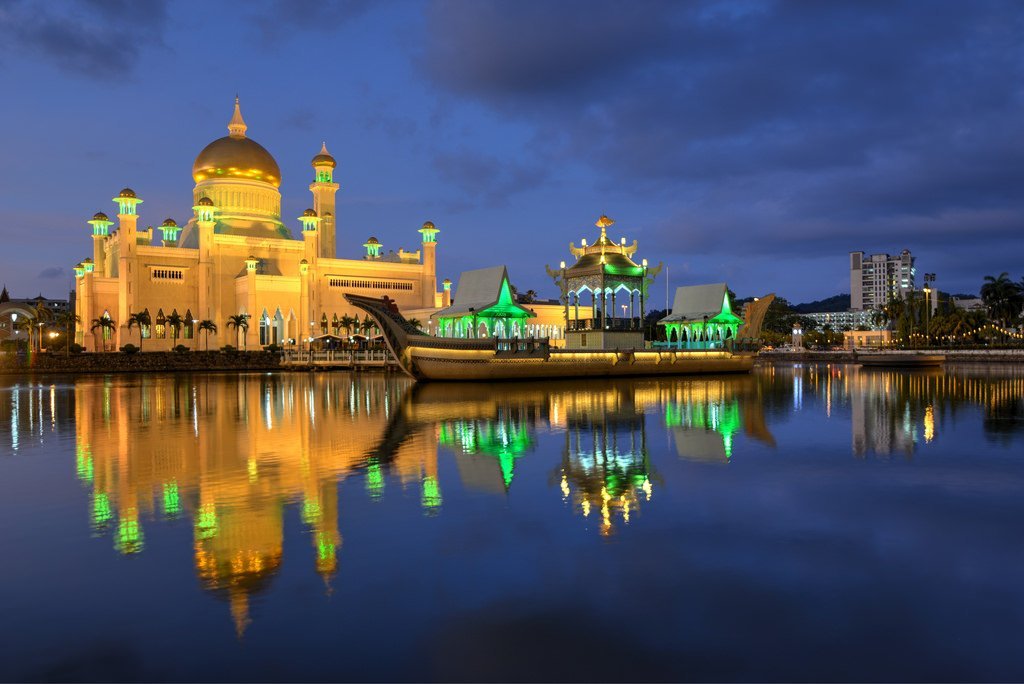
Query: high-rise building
pixel 878 279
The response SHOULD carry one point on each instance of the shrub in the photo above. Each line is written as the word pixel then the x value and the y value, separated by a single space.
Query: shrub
pixel 181 349
pixel 130 349
pixel 273 348
pixel 229 349
pixel 76 348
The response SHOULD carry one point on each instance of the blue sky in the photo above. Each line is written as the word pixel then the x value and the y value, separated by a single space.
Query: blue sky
pixel 756 142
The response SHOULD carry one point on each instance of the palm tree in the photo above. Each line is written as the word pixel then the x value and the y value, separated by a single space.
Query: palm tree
pixel 105 324
pixel 174 322
pixel 28 325
pixel 367 325
pixel 140 319
pixel 1003 298
pixel 239 322
pixel 415 322
pixel 68 320
pixel 347 322
pixel 207 326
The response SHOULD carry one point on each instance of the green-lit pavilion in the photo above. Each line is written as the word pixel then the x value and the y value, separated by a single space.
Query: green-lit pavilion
pixel 484 306
pixel 613 318
pixel 701 318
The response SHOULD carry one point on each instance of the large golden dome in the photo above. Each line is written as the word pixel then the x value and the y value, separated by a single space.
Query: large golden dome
pixel 236 156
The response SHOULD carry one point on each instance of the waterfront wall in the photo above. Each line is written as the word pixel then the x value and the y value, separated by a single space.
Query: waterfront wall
pixel 146 362
pixel 846 356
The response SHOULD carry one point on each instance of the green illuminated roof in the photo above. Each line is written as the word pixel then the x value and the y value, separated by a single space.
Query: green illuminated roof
pixel 485 292
pixel 695 302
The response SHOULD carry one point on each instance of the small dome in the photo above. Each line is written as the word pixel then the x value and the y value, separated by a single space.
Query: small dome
pixel 373 241
pixel 204 202
pixel 88 261
pixel 304 262
pixel 324 158
pixel 309 213
pixel 168 223
pixel 127 192
pixel 100 216
pixel 428 226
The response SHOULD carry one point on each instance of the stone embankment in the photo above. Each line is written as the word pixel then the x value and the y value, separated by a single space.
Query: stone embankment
pixel 846 356
pixel 145 362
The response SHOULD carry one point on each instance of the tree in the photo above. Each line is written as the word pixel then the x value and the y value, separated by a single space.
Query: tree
pixel 207 326
pixel 239 322
pixel 1003 297
pixel 415 322
pixel 68 320
pixel 105 325
pixel 367 325
pixel 27 325
pixel 174 322
pixel 140 319
pixel 347 322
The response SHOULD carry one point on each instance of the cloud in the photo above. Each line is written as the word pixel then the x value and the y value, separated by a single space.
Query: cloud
pixel 278 18
pixel 77 36
pixel 52 273
pixel 485 180
pixel 764 127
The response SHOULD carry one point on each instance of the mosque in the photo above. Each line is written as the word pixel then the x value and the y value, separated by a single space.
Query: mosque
pixel 236 256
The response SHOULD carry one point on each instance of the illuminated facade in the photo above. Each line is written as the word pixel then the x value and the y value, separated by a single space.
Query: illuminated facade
pixel 236 256
pixel 701 318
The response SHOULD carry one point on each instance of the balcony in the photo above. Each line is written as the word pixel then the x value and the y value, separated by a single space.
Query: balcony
pixel 612 324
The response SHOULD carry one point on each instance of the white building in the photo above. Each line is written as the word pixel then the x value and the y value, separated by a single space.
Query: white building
pixel 844 320
pixel 880 278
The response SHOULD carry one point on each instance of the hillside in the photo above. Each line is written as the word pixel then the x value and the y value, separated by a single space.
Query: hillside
pixel 839 302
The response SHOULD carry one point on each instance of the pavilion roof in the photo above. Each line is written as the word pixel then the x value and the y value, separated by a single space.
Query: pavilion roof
pixel 695 302
pixel 481 290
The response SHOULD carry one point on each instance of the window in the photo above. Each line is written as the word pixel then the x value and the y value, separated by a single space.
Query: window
pixel 174 274
pixel 370 284
pixel 161 325
pixel 189 325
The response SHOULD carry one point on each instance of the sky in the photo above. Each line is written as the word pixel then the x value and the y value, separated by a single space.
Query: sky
pixel 755 142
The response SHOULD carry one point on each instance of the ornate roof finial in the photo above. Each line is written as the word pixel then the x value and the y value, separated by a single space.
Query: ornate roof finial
pixel 603 223
pixel 237 127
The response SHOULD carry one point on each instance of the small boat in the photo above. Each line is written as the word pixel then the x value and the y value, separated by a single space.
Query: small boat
pixel 425 358
pixel 897 359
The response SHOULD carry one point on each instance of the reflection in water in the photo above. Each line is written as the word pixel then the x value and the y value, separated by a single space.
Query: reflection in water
pixel 230 454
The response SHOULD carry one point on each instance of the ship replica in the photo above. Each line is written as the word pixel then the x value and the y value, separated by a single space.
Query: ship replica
pixel 481 335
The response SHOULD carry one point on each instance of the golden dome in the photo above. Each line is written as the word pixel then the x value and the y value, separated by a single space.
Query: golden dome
pixel 324 158
pixel 168 223
pixel 127 192
pixel 373 241
pixel 429 225
pixel 100 216
pixel 236 156
pixel 204 202
pixel 309 212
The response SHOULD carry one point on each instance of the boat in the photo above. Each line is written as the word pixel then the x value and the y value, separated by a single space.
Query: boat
pixel 429 358
pixel 897 359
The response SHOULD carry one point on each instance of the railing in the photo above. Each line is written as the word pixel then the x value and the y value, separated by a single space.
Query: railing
pixel 338 357
pixel 617 324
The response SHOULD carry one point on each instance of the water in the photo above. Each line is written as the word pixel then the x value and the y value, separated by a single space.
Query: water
pixel 817 522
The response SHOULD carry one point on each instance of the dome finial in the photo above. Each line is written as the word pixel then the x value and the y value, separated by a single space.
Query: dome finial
pixel 237 127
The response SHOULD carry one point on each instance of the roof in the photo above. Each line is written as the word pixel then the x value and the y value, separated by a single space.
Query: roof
pixel 694 302
pixel 482 289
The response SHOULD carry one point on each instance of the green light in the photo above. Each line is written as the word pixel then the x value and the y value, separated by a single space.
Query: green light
pixel 101 513
pixel 311 511
pixel 374 480
pixel 431 493
pixel 172 501
pixel 206 523
pixel 83 463
pixel 325 548
pixel 129 533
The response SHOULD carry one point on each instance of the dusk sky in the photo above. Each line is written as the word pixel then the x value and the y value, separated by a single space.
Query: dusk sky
pixel 753 142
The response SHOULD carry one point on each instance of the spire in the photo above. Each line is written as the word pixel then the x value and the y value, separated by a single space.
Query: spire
pixel 323 148
pixel 237 127
pixel 4 297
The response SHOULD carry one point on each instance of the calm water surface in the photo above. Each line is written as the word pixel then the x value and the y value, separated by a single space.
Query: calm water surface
pixel 817 522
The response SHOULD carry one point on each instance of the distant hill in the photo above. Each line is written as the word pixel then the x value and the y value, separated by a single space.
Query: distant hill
pixel 839 302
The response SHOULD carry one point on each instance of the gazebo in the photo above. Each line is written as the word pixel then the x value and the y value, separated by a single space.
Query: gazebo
pixel 701 318
pixel 484 306
pixel 604 293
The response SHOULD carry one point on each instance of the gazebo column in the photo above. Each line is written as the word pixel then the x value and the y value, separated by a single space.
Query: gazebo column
pixel 613 305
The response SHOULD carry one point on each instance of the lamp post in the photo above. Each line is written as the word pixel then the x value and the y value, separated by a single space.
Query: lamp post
pixel 928 279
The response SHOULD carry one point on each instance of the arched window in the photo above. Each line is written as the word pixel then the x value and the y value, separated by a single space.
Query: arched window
pixel 189 327
pixel 146 329
pixel 161 325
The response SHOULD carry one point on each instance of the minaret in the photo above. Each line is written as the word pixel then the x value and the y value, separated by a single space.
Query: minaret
pixel 309 268
pixel 100 230
pixel 204 210
pixel 169 231
pixel 429 233
pixel 323 188
pixel 127 272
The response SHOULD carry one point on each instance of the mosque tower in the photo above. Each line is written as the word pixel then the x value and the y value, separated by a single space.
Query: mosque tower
pixel 323 188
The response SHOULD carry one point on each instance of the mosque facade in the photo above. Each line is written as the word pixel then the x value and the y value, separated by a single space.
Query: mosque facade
pixel 235 257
